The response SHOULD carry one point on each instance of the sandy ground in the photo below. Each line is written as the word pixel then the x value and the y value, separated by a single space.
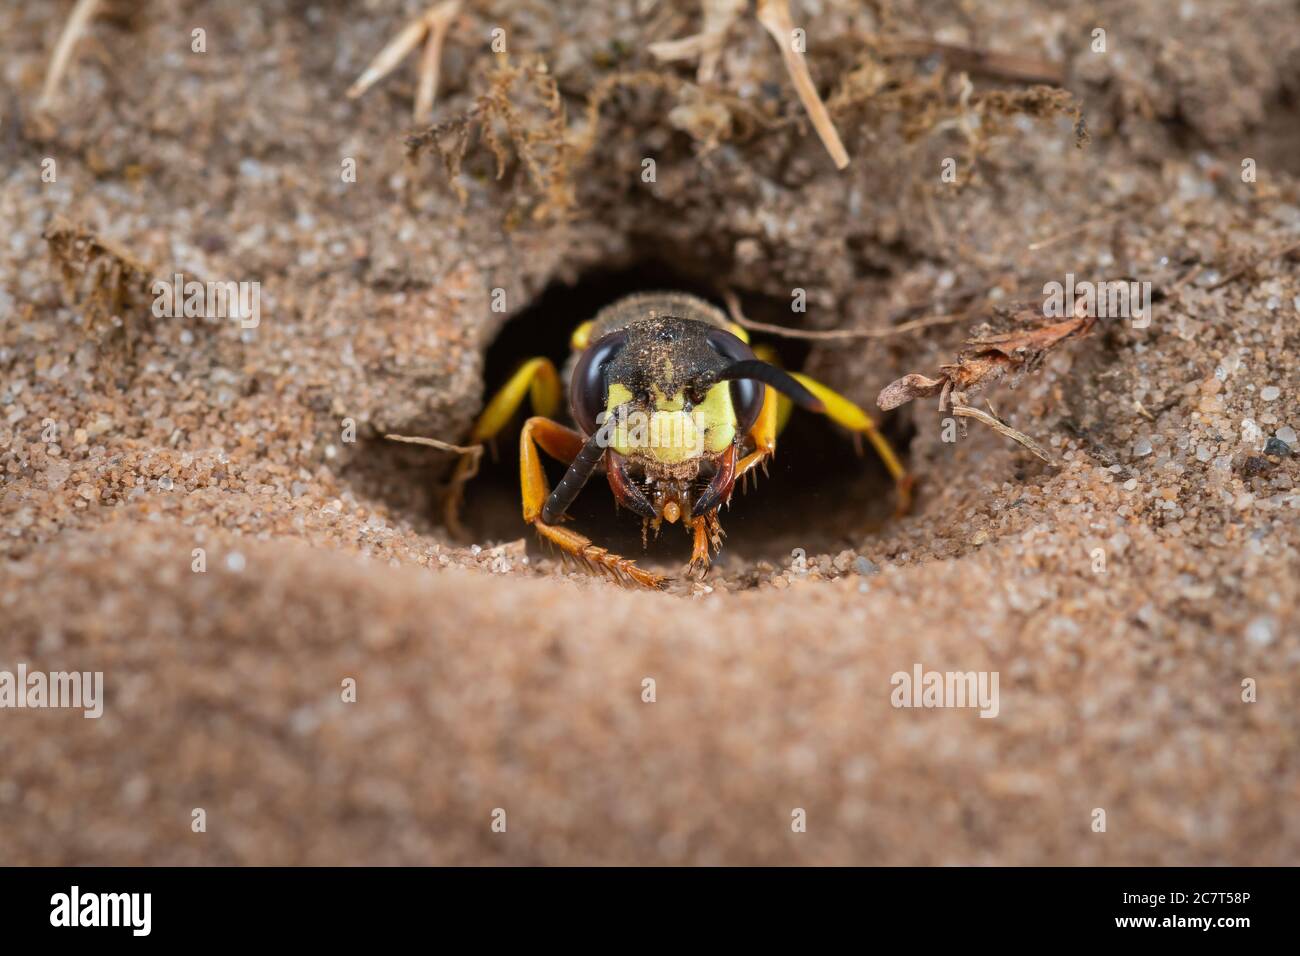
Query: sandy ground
pixel 1130 596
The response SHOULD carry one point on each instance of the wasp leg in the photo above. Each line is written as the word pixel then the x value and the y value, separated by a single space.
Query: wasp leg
pixel 783 405
pixel 536 380
pixel 565 444
pixel 772 418
pixel 708 538
pixel 843 412
pixel 776 412
pixel 581 336
pixel 763 435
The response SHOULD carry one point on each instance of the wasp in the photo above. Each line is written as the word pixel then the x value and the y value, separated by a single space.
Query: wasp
pixel 671 402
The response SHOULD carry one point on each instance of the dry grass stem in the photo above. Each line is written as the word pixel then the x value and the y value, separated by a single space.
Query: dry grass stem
pixel 475 450
pixel 839 335
pixel 82 14
pixel 775 17
pixel 719 16
pixel 969 411
pixel 431 27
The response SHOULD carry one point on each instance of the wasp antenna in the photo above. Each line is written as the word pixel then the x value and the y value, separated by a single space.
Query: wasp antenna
pixel 583 465
pixel 781 380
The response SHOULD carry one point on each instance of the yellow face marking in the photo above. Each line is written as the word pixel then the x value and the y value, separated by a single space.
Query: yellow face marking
pixel 669 433
pixel 718 416
pixel 618 395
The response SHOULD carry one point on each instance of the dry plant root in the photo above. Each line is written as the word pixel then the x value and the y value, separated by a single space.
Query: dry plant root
pixel 962 410
pixel 535 381
pixel 81 16
pixel 466 468
pixel 774 15
pixel 431 27
pixel 719 17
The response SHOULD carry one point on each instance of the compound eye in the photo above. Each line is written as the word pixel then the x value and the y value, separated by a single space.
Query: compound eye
pixel 746 394
pixel 589 387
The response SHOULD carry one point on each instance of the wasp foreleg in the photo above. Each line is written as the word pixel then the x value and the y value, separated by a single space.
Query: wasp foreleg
pixel 565 444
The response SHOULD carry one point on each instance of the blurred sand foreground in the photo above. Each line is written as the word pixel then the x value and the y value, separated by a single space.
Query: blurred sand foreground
pixel 182 512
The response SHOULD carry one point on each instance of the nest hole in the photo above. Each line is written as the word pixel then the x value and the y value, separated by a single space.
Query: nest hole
pixel 822 492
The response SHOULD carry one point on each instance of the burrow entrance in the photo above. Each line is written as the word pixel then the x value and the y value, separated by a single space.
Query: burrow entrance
pixel 820 494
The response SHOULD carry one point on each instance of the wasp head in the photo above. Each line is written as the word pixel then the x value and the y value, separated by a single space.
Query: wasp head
pixel 672 400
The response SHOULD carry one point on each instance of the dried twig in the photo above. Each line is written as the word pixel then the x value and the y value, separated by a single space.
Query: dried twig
pixel 840 335
pixel 466 468
pixel 475 450
pixel 719 16
pixel 430 26
pixel 1010 66
pixel 431 60
pixel 1082 227
pixel 1175 291
pixel 989 357
pixel 775 17
pixel 969 411
pixel 1285 249
pixel 388 58
pixel 72 31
